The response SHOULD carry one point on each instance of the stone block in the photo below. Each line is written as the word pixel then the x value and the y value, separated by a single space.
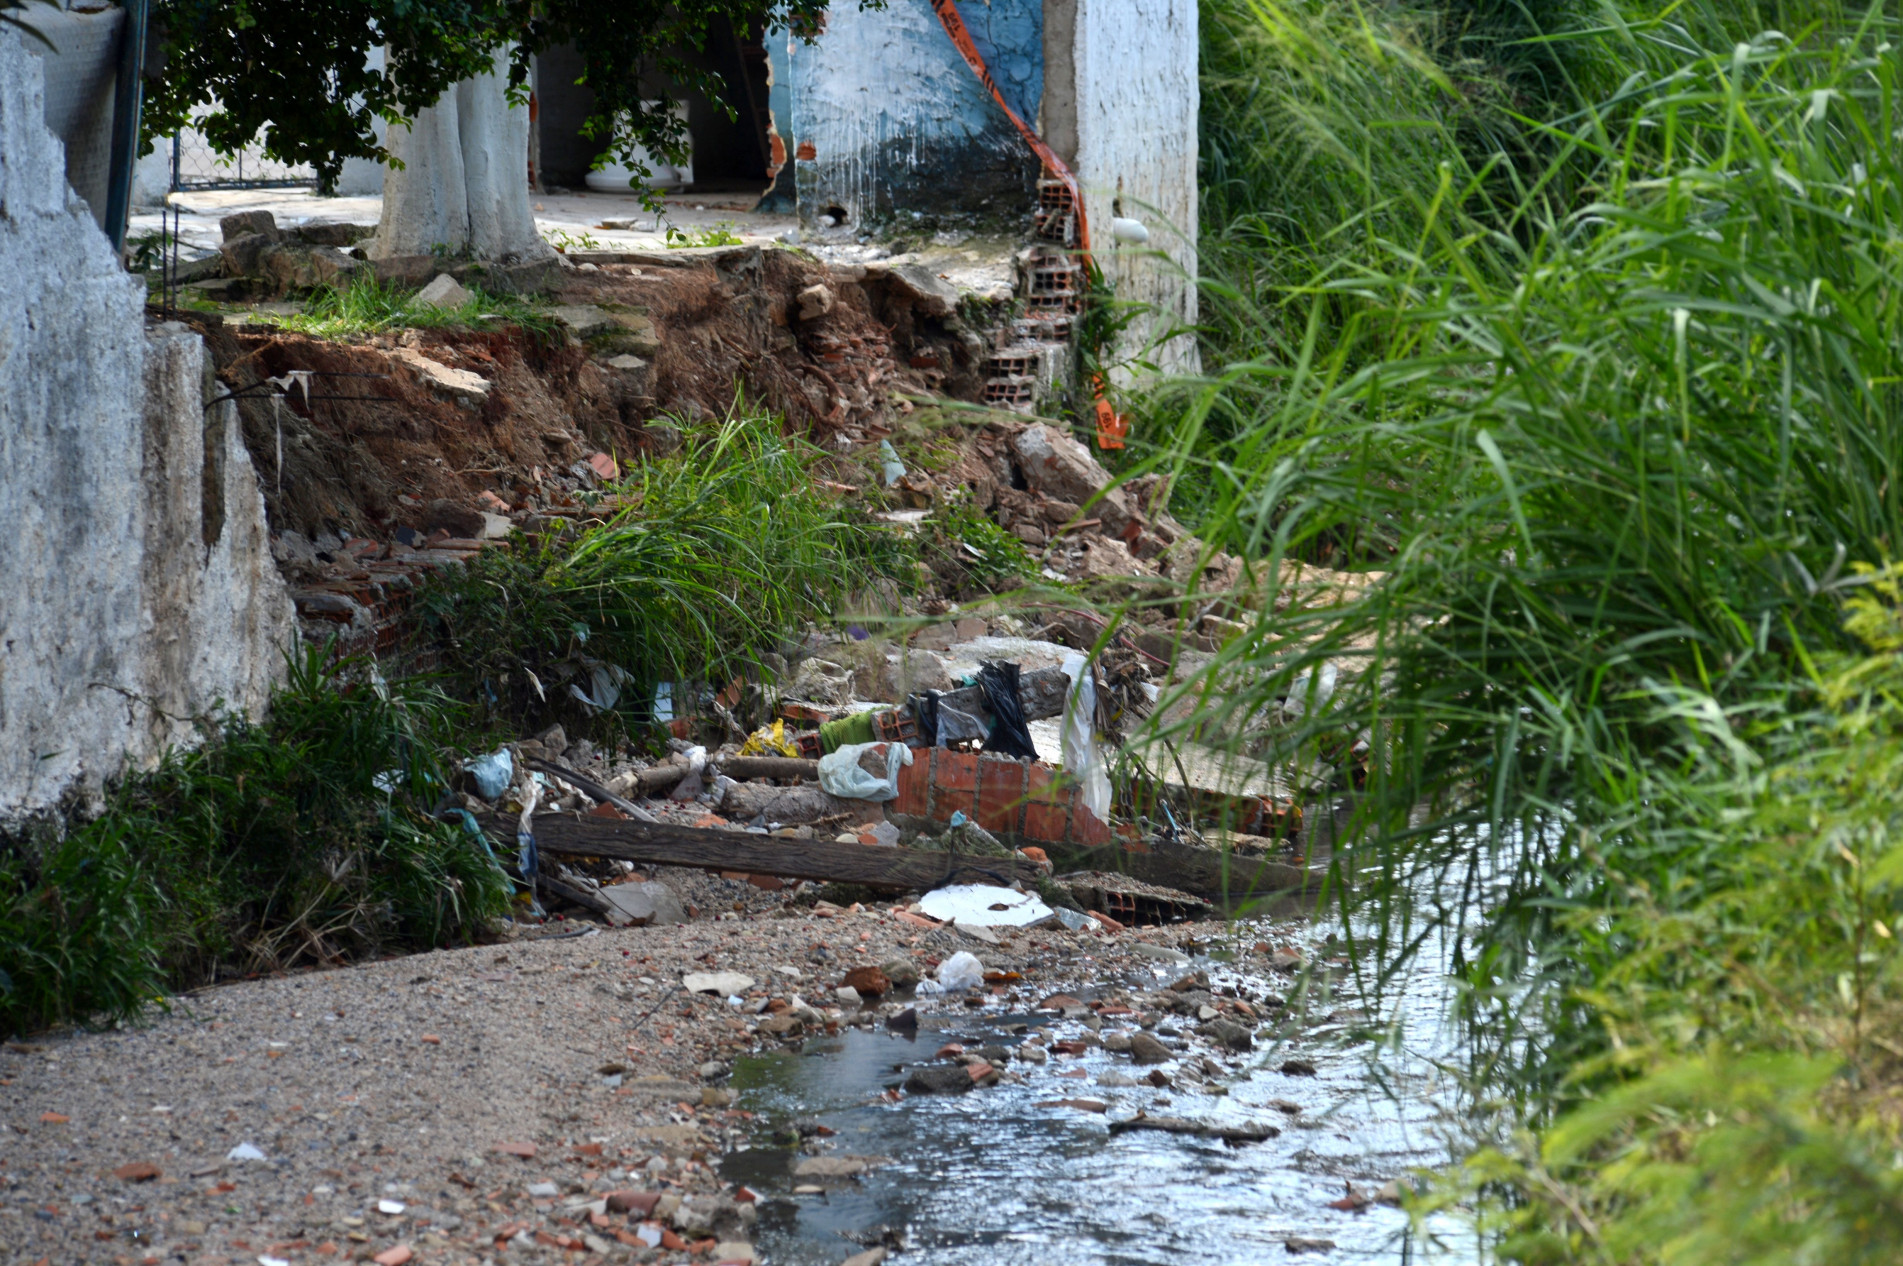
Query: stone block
pixel 334 233
pixel 241 254
pixel 241 223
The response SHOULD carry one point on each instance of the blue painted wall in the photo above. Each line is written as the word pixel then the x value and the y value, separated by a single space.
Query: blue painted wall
pixel 1010 37
pixel 896 127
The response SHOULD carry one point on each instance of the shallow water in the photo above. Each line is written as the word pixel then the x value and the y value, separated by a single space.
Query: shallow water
pixel 1001 1175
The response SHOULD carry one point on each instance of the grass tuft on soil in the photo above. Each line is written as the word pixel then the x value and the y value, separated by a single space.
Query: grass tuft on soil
pixel 368 306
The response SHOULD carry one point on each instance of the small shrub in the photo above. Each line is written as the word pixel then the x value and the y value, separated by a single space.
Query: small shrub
pixel 305 837
pixel 709 558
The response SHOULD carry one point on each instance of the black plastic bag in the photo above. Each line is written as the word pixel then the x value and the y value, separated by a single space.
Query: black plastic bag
pixel 1010 736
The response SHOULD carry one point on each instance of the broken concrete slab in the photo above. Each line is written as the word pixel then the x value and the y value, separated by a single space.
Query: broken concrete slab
pixel 645 904
pixel 467 388
pixel 444 292
pixel 629 332
pixel 925 289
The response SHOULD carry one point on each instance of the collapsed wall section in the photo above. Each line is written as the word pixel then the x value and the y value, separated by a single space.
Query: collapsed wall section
pixel 129 608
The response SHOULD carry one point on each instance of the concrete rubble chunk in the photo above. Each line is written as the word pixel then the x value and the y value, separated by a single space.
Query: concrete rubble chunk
pixel 649 904
pixel 724 983
pixel 293 266
pixel 1058 466
pixel 1145 1049
pixel 466 387
pixel 804 803
pixel 444 292
pixel 815 302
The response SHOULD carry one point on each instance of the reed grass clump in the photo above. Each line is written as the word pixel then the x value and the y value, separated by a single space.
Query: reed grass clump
pixel 691 569
pixel 1611 408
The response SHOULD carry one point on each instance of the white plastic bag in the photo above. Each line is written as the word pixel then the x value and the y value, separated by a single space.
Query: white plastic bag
pixel 840 773
pixel 961 971
pixel 1083 759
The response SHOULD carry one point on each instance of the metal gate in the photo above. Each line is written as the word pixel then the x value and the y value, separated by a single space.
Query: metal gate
pixel 196 165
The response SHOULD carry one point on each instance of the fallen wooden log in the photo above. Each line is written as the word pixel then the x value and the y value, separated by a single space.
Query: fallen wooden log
pixel 741 768
pixel 662 844
pixel 1227 878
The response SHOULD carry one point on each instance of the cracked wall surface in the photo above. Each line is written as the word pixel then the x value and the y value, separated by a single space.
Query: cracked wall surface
pixel 140 587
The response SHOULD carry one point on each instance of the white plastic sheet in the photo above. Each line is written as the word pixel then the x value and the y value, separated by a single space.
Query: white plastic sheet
pixel 840 773
pixel 961 971
pixel 1083 759
pixel 973 906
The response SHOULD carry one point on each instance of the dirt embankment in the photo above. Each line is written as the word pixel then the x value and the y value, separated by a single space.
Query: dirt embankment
pixel 426 428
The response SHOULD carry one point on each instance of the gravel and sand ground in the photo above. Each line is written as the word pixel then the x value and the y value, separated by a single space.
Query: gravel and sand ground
pixel 526 1100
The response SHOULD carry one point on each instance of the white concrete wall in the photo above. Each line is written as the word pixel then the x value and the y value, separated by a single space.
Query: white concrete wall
pixel 125 614
pixel 1134 100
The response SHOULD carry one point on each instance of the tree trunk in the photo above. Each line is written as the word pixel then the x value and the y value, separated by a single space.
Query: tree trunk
pixel 464 183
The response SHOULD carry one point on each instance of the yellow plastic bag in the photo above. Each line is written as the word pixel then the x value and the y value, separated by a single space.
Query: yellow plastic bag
pixel 770 741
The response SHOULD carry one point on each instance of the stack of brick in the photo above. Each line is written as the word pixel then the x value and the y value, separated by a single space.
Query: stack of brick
pixel 1022 802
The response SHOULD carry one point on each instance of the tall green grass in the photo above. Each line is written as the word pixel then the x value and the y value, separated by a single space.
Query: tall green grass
pixel 1605 388
pixel 1748 1102
pixel 303 839
pixel 696 567
pixel 1611 443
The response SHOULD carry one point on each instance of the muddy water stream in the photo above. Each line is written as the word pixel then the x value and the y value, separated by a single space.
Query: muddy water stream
pixel 1006 1175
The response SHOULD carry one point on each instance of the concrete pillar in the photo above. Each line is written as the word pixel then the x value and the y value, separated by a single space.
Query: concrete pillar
pixel 1121 101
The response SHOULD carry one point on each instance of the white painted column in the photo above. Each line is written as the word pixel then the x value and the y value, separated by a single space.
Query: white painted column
pixel 1128 103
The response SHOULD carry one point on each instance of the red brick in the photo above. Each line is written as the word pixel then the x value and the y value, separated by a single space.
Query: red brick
pixel 954 785
pixel 1047 807
pixel 1087 828
pixel 915 784
pixel 1000 795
